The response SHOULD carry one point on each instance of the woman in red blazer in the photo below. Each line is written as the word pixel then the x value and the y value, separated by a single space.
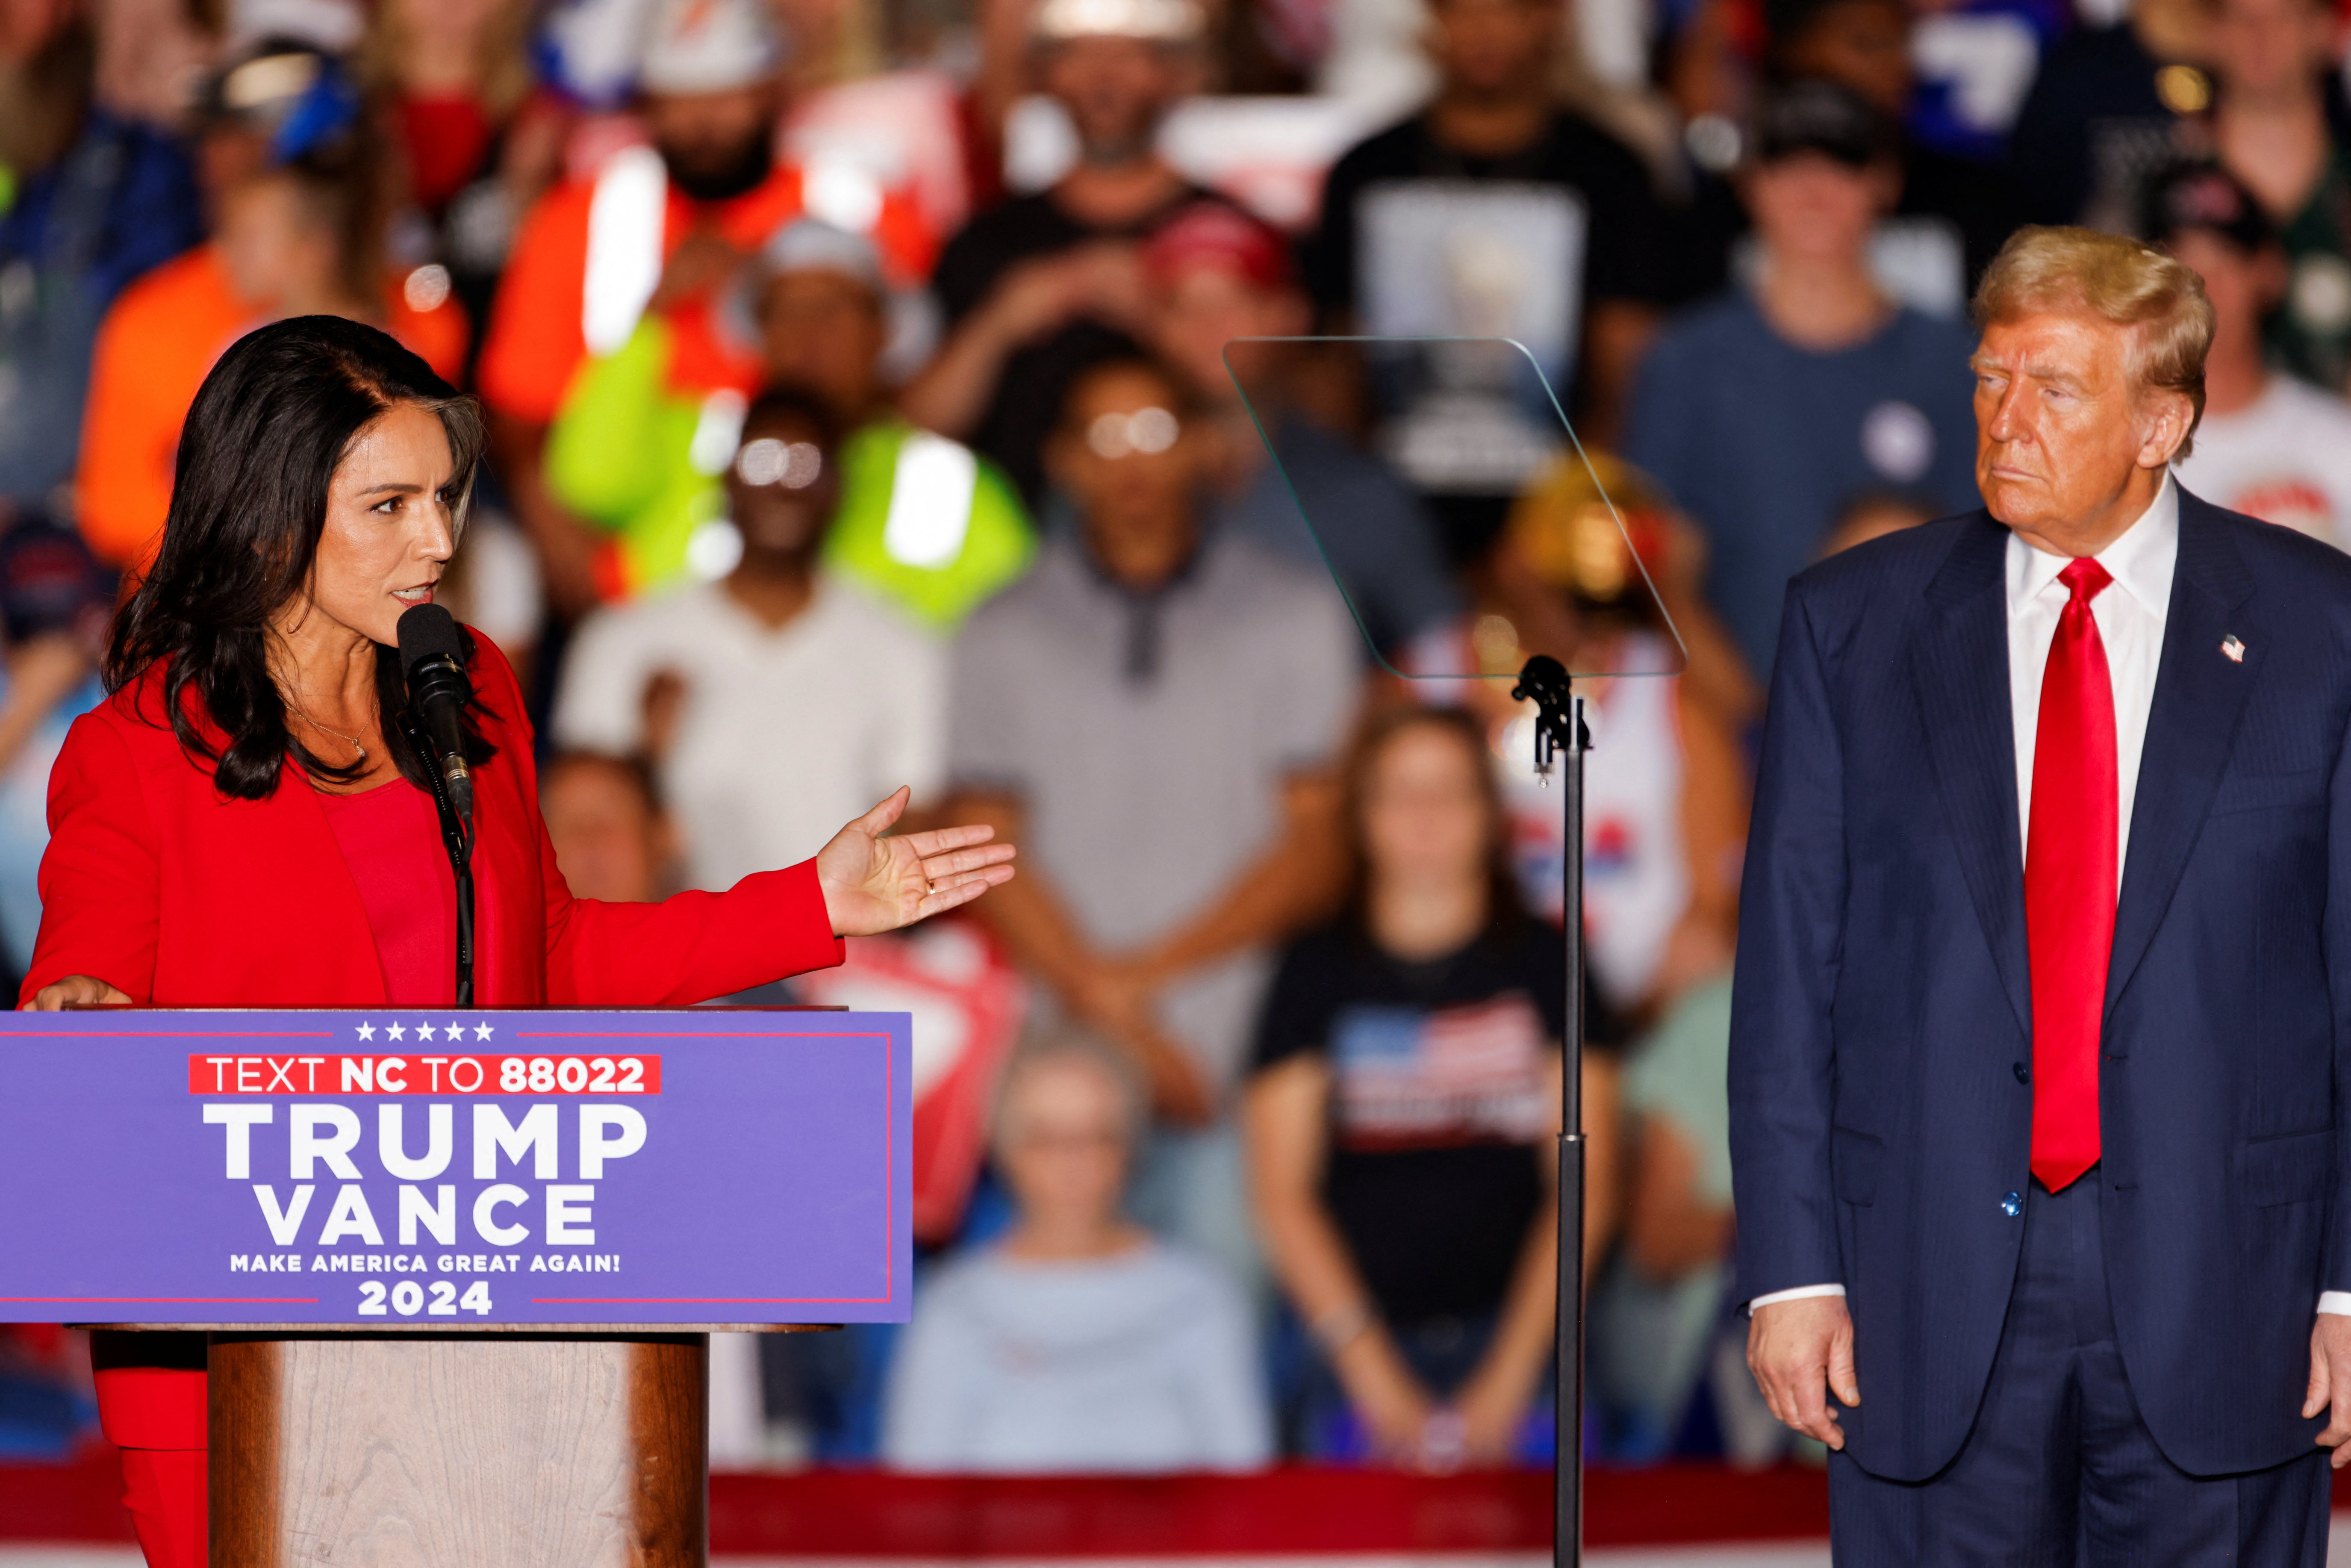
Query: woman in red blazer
pixel 237 825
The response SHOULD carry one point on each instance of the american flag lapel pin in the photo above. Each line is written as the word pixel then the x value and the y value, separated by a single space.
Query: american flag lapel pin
pixel 2233 649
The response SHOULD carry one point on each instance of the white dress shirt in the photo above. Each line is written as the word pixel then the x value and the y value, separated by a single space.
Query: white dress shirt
pixel 2131 612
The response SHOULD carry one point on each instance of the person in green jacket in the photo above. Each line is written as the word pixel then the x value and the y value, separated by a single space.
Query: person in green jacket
pixel 925 523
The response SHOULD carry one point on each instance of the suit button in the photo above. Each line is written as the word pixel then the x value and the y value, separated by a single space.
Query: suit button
pixel 2012 1205
pixel 2024 1073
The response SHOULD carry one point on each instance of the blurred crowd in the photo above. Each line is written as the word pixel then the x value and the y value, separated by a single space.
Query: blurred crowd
pixel 1143 425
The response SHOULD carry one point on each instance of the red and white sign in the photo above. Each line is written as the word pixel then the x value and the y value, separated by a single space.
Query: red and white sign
pixel 340 1075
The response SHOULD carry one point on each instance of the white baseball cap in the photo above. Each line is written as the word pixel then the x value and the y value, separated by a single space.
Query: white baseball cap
pixel 811 245
pixel 710 45
pixel 1154 21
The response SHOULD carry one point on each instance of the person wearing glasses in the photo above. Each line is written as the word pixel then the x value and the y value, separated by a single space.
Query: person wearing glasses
pixel 774 692
pixel 1160 704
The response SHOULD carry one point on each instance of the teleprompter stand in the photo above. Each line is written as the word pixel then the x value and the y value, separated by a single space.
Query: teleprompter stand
pixel 1562 740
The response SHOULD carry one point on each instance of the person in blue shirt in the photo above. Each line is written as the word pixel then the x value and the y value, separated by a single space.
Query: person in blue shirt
pixel 119 198
pixel 1766 414
pixel 55 602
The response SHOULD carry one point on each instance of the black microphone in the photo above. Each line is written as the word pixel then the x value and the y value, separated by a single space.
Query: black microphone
pixel 433 658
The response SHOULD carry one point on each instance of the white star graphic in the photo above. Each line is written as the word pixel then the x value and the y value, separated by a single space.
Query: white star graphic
pixel 481 1032
pixel 424 1031
pixel 456 1033
pixel 367 1031
pixel 394 1033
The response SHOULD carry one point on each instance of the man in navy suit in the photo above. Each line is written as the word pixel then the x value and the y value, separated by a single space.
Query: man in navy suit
pixel 2042 1017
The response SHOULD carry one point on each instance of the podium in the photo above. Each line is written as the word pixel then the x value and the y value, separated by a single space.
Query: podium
pixel 521 1449
pixel 456 1297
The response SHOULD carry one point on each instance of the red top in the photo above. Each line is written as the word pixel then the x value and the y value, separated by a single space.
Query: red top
pixel 445 139
pixel 391 838
pixel 157 885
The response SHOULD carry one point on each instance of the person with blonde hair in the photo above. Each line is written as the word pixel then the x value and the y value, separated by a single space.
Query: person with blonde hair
pixel 2037 1037
pixel 1665 805
pixel 474 137
pixel 1078 1341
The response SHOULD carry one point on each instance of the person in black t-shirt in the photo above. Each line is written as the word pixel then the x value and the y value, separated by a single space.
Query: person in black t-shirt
pixel 1400 1118
pixel 2104 113
pixel 1038 287
pixel 1494 165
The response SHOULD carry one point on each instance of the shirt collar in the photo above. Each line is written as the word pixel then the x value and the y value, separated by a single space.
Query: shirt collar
pixel 1174 582
pixel 2142 561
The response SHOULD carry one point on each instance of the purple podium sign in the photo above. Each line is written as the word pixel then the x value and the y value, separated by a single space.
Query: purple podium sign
pixel 455 1168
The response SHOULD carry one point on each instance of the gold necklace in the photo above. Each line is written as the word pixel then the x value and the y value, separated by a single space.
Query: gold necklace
pixel 352 742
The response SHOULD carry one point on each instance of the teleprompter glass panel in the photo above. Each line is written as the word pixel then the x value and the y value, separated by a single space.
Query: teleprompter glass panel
pixel 1542 547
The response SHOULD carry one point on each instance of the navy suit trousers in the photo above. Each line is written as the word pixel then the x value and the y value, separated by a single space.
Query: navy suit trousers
pixel 2059 1470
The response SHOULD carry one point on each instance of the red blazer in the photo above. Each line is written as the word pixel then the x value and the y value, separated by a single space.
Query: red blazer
pixel 158 885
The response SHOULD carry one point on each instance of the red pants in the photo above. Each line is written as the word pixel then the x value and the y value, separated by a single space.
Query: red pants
pixel 151 1405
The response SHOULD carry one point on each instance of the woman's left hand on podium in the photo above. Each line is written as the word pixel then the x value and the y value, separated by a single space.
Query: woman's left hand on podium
pixel 873 883
pixel 76 992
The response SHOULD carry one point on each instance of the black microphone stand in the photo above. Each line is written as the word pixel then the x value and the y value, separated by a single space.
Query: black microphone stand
pixel 1560 734
pixel 456 837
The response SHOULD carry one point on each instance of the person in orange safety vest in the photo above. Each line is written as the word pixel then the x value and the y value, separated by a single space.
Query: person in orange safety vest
pixel 290 173
pixel 661 228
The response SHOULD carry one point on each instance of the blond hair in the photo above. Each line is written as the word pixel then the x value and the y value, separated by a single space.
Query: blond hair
pixel 1058 1042
pixel 2159 299
pixel 501 53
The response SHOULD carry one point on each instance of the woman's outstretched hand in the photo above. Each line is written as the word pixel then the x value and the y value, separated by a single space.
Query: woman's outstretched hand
pixel 873 884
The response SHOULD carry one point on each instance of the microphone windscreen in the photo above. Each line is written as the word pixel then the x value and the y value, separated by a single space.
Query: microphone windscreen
pixel 426 632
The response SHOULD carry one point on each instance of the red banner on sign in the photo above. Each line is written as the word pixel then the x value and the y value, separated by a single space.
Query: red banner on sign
pixel 502 1075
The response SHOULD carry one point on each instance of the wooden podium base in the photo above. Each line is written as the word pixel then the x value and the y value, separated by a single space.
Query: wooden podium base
pixel 450 1450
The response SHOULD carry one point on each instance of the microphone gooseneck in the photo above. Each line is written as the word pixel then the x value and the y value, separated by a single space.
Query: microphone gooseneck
pixel 431 659
pixel 433 662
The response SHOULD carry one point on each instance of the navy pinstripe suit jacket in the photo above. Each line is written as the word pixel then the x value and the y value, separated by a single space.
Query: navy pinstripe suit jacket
pixel 1879 1112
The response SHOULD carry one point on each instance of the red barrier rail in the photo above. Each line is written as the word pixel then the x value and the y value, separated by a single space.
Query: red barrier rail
pixel 871 1513
pixel 1290 1510
pixel 875 1513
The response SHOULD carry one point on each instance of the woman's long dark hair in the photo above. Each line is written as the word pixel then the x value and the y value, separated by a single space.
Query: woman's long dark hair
pixel 1506 907
pixel 267 430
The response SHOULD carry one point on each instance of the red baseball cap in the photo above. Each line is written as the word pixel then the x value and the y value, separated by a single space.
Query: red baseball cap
pixel 1214 235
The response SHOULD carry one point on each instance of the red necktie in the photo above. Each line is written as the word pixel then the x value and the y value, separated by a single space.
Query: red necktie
pixel 2070 864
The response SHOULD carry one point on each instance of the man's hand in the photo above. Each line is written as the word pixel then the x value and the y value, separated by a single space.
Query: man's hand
pixel 76 992
pixel 1034 298
pixel 2330 1384
pixel 1042 296
pixel 702 261
pixel 43 671
pixel 1799 1351
pixel 1116 994
pixel 873 884
pixel 567 547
